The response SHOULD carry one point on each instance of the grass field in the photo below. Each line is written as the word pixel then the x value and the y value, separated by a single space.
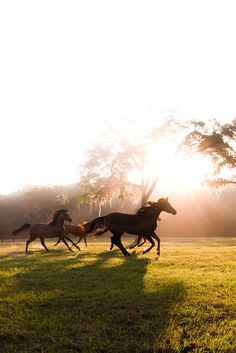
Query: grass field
pixel 99 301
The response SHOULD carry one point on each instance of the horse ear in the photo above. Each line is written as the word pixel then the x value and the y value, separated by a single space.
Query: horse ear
pixel 167 199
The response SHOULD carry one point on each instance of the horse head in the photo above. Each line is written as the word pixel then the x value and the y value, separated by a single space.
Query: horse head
pixel 64 215
pixel 165 206
pixel 67 217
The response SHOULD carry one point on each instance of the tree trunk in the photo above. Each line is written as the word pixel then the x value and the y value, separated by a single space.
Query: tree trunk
pixel 147 192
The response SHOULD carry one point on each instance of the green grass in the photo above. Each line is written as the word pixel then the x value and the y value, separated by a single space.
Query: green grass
pixel 100 301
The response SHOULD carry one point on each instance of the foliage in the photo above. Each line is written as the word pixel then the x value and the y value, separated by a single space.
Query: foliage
pixel 108 167
pixel 110 164
pixel 37 204
pixel 205 213
pixel 218 141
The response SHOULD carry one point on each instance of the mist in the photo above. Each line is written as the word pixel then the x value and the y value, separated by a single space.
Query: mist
pixel 201 213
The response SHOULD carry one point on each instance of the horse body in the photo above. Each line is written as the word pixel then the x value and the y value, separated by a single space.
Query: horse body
pixel 40 229
pixel 143 223
pixel 132 224
pixel 48 230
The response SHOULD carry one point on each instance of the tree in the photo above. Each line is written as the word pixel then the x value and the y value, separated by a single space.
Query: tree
pixel 112 164
pixel 217 142
pixel 118 166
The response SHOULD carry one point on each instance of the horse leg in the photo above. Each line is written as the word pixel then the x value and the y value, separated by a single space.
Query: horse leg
pixel 85 240
pixel 79 240
pixel 57 242
pixel 135 243
pixel 65 242
pixel 77 247
pixel 43 243
pixel 144 241
pixel 155 236
pixel 112 244
pixel 74 244
pixel 116 240
pixel 149 238
pixel 32 238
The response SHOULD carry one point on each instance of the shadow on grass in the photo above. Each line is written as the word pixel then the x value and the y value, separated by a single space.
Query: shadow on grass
pixel 83 305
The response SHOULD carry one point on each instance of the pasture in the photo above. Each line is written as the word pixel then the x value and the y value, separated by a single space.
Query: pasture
pixel 100 301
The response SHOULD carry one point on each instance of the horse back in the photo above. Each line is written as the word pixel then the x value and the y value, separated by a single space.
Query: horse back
pixel 45 230
pixel 132 224
pixel 74 229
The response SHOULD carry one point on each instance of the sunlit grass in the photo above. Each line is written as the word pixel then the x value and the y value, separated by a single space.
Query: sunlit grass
pixel 99 301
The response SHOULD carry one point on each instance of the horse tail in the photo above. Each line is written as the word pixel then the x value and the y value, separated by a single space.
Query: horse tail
pixel 96 223
pixel 18 230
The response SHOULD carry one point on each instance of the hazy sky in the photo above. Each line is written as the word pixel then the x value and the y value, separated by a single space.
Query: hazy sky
pixel 66 66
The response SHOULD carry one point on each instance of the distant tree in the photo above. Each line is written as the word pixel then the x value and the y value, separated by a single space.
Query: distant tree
pixel 32 205
pixel 118 166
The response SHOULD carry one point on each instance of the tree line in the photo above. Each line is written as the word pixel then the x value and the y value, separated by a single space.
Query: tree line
pixel 106 183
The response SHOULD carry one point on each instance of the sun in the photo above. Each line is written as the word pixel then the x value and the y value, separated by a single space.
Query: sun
pixel 186 175
pixel 175 172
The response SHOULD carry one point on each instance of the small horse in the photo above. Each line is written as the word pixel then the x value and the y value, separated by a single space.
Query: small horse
pixel 54 228
pixel 143 224
pixel 77 230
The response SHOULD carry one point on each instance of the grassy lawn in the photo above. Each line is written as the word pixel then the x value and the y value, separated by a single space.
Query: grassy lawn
pixel 99 301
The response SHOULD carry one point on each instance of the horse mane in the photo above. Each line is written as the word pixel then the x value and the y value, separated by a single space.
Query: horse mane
pixel 146 206
pixel 55 216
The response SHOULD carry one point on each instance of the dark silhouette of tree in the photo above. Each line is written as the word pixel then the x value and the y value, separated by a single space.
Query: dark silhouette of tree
pixel 218 142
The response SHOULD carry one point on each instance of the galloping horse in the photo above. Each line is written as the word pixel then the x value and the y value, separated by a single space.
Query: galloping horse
pixel 143 224
pixel 77 230
pixel 54 228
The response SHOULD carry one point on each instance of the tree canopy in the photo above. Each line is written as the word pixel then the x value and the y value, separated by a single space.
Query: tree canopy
pixel 216 141
pixel 120 166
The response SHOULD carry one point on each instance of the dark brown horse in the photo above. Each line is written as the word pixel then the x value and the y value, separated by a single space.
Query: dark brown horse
pixel 143 224
pixel 54 228
pixel 77 230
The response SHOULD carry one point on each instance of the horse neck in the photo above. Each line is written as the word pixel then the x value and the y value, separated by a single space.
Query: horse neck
pixel 60 222
pixel 156 213
pixel 151 213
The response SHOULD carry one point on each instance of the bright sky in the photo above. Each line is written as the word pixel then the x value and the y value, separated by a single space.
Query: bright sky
pixel 66 66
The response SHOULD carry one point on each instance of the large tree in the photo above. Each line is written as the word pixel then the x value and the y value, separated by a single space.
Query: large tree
pixel 217 142
pixel 119 166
